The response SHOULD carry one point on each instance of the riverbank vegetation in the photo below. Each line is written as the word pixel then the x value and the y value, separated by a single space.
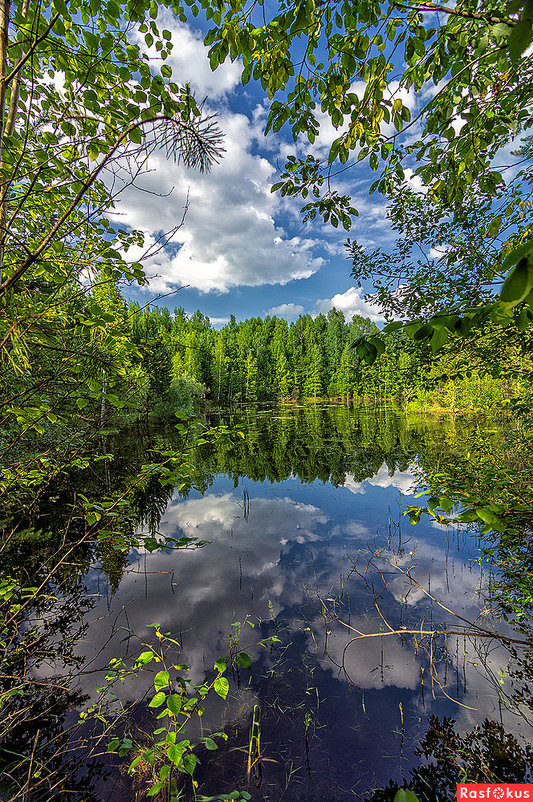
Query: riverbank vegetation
pixel 268 359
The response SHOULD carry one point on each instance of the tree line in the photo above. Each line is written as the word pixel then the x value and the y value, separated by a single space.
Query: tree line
pixel 268 359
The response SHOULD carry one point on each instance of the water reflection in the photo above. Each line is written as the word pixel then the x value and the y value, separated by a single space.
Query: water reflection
pixel 300 560
pixel 307 541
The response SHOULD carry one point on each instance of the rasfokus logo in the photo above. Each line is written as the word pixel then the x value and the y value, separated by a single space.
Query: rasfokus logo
pixel 496 792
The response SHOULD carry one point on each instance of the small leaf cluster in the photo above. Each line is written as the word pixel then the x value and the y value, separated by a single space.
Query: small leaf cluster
pixel 174 701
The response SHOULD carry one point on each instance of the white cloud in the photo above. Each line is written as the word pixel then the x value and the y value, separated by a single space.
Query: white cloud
pixel 350 303
pixel 437 253
pixel 372 663
pixel 197 589
pixel 230 236
pixel 404 481
pixel 272 562
pixel 353 486
pixel 286 310
pixel 415 182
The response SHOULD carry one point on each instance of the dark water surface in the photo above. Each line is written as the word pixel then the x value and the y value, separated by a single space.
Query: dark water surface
pixel 307 541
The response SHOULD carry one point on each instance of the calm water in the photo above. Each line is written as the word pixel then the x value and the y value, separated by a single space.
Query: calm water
pixel 307 541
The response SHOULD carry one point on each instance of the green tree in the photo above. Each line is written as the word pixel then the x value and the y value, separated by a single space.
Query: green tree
pixel 219 370
pixel 470 71
pixel 313 385
pixel 250 391
pixel 64 343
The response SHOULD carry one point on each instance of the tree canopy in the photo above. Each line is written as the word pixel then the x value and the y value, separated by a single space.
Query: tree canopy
pixel 357 65
pixel 83 104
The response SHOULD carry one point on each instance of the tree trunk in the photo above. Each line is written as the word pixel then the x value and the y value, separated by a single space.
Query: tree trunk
pixel 4 38
pixel 15 88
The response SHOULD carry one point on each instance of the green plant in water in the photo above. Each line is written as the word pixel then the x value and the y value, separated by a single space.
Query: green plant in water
pixel 170 757
pixel 254 768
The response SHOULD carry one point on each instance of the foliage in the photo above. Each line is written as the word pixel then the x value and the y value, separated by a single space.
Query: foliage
pixel 313 57
pixel 443 259
pixel 67 357
pixel 490 487
pixel 174 704
pixel 91 516
pixel 361 68
pixel 265 360
pixel 487 754
pixel 73 355
pixel 186 393
pixel 69 365
pixel 338 61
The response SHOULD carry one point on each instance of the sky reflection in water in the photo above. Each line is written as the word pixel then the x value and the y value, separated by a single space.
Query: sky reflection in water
pixel 282 559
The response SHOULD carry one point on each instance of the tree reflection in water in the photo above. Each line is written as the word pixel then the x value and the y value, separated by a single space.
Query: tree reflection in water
pixel 331 488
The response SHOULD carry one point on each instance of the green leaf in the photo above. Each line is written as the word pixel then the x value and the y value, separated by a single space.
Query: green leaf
pixel 446 504
pixel 518 283
pixel 221 686
pixel 135 135
pixel 220 665
pixel 463 326
pixel 161 680
pixel 112 745
pixel 501 30
pixel 143 659
pixel 189 763
pixel 517 254
pixel 486 515
pixel 134 763
pixel 525 319
pixel 378 344
pixel 174 703
pixel 439 338
pixel 155 789
pixel 244 660
pixel 520 38
pixel 422 332
pixel 210 744
pixel 390 327
pixel 175 752
pixel 157 700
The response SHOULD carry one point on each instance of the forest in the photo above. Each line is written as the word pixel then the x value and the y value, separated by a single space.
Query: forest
pixel 268 359
pixel 210 588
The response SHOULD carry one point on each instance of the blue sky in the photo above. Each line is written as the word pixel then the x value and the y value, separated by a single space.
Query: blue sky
pixel 241 249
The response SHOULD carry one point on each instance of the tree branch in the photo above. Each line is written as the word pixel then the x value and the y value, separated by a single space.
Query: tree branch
pixel 459 12
pixel 19 65
pixel 32 258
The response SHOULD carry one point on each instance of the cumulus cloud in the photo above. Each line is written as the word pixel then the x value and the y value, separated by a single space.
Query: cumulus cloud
pixel 230 236
pixel 286 310
pixel 203 591
pixel 273 561
pixel 415 182
pixel 404 481
pixel 350 303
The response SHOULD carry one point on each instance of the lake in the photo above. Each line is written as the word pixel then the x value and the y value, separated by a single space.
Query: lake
pixel 303 538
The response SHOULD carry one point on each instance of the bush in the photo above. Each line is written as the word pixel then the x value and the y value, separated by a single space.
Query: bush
pixel 185 394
